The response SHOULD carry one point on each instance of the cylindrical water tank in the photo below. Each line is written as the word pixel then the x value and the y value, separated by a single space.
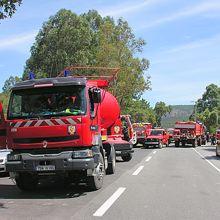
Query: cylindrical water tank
pixel 109 109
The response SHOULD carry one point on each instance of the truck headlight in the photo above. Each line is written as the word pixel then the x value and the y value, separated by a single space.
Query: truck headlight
pixel 14 157
pixel 82 154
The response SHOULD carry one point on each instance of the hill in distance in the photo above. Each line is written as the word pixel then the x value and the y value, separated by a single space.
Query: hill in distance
pixel 178 113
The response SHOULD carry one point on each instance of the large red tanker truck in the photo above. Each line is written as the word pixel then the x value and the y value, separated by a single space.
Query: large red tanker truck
pixel 64 127
pixel 190 132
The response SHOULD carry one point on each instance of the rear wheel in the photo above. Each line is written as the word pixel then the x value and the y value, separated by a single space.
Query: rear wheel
pixel 127 157
pixel 26 182
pixel 177 143
pixel 194 143
pixel 95 182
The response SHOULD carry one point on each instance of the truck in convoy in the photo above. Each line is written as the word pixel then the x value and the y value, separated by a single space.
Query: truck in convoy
pixel 157 137
pixel 67 127
pixel 170 131
pixel 142 131
pixel 217 142
pixel 190 132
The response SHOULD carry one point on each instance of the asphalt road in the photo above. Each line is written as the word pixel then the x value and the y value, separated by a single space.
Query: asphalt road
pixel 170 183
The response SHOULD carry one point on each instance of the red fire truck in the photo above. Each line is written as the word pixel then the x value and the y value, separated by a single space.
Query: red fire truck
pixel 142 131
pixel 190 132
pixel 218 142
pixel 64 127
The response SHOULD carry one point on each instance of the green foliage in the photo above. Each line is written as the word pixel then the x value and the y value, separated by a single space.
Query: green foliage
pixel 9 83
pixel 207 108
pixel 160 110
pixel 140 111
pixel 4 97
pixel 88 39
pixel 8 8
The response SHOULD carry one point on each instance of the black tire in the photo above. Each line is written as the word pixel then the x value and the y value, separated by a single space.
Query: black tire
pixel 146 146
pixel 127 157
pixel 194 144
pixel 177 143
pixel 95 182
pixel 26 182
pixel 111 162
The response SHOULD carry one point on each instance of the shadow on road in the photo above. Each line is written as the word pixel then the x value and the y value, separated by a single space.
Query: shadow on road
pixel 212 158
pixel 55 191
pixel 210 149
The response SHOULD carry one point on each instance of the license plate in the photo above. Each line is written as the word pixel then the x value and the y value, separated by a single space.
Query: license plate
pixel 45 168
pixel 151 142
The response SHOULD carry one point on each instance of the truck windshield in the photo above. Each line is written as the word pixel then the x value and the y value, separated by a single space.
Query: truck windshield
pixel 156 132
pixel 139 129
pixel 47 102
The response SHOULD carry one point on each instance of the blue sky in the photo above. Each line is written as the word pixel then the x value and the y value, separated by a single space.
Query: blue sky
pixel 183 40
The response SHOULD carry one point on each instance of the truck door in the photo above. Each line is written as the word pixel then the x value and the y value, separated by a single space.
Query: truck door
pixel 2 128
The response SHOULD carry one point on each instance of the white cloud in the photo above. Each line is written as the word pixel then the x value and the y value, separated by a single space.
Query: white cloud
pixel 17 41
pixel 188 48
pixel 187 12
pixel 123 9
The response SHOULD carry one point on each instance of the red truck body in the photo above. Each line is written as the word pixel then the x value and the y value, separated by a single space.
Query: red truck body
pixel 157 137
pixel 190 132
pixel 142 131
pixel 69 127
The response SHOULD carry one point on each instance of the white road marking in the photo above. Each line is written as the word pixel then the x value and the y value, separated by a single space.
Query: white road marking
pixel 207 160
pixel 154 152
pixel 148 159
pixel 108 203
pixel 137 171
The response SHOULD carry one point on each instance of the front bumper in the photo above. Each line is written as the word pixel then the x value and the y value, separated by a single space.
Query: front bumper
pixel 61 162
pixel 151 143
pixel 122 149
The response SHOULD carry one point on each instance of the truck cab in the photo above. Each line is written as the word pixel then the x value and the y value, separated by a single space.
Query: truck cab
pixel 58 127
pixel 157 138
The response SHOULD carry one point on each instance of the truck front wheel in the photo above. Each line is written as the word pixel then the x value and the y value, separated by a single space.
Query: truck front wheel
pixel 95 182
pixel 26 182
pixel 126 157
pixel 177 143
pixel 111 162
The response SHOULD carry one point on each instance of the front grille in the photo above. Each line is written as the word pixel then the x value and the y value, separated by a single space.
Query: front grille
pixel 152 139
pixel 41 139
pixel 46 150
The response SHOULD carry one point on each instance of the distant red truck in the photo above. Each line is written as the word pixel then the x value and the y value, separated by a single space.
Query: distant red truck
pixel 218 142
pixel 142 131
pixel 192 133
pixel 170 131
pixel 157 138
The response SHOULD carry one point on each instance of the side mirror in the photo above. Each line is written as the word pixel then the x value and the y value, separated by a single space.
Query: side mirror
pixel 97 96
